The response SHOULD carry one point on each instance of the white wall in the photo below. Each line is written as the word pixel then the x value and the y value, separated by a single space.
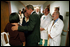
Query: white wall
pixel 47 3
pixel 64 7
pixel 15 6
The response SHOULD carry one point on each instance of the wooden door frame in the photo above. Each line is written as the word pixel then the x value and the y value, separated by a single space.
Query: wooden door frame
pixel 9 8
pixel 9 5
pixel 67 37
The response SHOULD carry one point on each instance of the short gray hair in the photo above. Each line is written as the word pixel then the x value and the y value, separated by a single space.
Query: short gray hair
pixel 30 6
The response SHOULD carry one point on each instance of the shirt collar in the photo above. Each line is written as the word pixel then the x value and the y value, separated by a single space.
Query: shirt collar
pixel 32 12
pixel 46 15
pixel 55 20
pixel 37 12
pixel 27 20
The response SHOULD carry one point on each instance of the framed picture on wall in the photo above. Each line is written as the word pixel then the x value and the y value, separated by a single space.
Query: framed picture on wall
pixel 67 13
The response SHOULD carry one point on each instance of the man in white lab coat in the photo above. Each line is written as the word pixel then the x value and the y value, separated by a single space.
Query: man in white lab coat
pixel 45 21
pixel 55 29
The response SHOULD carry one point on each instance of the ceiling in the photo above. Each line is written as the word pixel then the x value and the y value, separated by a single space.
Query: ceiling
pixel 33 2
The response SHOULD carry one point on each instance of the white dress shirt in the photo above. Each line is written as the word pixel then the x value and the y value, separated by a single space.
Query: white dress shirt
pixel 45 21
pixel 32 12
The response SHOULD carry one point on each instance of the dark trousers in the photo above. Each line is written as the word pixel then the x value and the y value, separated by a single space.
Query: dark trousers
pixel 31 44
pixel 28 43
pixel 18 45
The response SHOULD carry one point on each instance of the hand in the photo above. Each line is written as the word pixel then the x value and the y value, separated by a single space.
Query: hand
pixel 49 36
pixel 14 27
pixel 24 43
pixel 41 29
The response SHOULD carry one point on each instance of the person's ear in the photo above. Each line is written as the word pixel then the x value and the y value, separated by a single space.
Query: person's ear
pixel 30 9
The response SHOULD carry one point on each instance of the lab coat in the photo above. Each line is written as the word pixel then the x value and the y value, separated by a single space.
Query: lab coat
pixel 44 24
pixel 55 32
pixel 21 19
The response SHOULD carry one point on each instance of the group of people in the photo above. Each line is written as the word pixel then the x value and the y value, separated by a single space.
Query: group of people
pixel 51 28
pixel 34 29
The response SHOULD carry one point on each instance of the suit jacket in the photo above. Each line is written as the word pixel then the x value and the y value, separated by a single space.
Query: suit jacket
pixel 55 32
pixel 24 23
pixel 41 15
pixel 33 29
pixel 61 17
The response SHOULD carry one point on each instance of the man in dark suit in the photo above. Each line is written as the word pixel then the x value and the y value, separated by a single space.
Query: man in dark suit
pixel 33 27
pixel 38 12
pixel 60 16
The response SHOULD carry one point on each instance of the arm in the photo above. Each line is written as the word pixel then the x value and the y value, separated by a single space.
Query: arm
pixel 32 21
pixel 57 31
pixel 30 27
pixel 24 43
pixel 41 29
pixel 47 24
pixel 22 38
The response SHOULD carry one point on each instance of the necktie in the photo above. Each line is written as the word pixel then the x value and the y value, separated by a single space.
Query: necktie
pixel 52 25
pixel 43 17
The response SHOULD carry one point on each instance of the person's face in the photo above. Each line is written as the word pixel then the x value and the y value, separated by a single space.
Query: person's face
pixel 46 11
pixel 54 16
pixel 26 15
pixel 37 10
pixel 19 12
pixel 28 11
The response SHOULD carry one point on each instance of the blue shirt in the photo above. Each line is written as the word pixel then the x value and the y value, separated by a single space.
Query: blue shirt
pixel 55 20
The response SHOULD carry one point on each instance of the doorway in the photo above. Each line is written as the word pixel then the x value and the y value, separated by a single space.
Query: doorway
pixel 5 12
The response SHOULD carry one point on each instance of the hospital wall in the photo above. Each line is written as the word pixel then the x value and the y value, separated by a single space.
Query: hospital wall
pixel 15 6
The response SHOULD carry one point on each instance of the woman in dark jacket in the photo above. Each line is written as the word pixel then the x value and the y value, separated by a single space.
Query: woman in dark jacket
pixel 25 23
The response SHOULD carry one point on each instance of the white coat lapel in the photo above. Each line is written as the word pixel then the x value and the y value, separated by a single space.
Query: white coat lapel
pixel 56 23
